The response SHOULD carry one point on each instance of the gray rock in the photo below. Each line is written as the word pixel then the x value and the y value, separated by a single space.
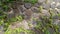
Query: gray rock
pixel 59 29
pixel 46 6
pixel 53 12
pixel 56 0
pixel 57 11
pixel 22 32
pixel 27 5
pixel 35 9
pixel 28 13
pixel 37 5
pixel 22 8
pixel 35 15
pixel 58 6
pixel 45 13
pixel 41 1
pixel 34 23
pixel 49 1
pixel 10 14
pixel 1 30
pixel 53 5
pixel 1 9
pixel 37 31
pixel 55 17
pixel 56 22
pixel 51 30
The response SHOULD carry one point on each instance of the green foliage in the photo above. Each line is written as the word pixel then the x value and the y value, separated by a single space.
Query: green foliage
pixel 12 20
pixel 18 31
pixel 31 1
pixel 40 8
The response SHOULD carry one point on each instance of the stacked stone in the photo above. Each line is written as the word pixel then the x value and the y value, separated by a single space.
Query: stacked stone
pixel 49 8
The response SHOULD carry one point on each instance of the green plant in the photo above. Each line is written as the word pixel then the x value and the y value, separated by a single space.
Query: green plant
pixel 18 31
pixel 31 1
pixel 40 8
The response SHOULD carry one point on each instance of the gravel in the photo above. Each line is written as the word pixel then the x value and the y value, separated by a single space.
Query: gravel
pixel 27 5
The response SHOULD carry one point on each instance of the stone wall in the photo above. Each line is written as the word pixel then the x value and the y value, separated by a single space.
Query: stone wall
pixel 45 11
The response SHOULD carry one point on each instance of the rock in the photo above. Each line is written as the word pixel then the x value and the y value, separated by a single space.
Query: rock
pixel 1 9
pixel 35 9
pixel 49 1
pixel 53 5
pixel 27 5
pixel 56 17
pixel 59 28
pixel 37 31
pixel 41 1
pixel 1 30
pixel 53 12
pixel 35 15
pixel 51 30
pixel 45 13
pixel 58 10
pixel 56 22
pixel 46 6
pixel 37 5
pixel 10 14
pixel 56 1
pixel 28 13
pixel 58 5
pixel 22 32
pixel 25 24
pixel 21 9
pixel 34 23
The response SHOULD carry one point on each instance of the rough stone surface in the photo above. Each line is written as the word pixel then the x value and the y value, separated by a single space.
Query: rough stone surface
pixel 22 8
pixel 58 6
pixel 56 0
pixel 22 33
pixel 58 10
pixel 28 13
pixel 27 5
pixel 56 21
pixel 37 5
pixel 1 30
pixel 35 15
pixel 45 13
pixel 18 24
pixel 41 1
pixel 46 6
pixel 49 1
pixel 35 9
pixel 56 17
pixel 10 14
pixel 53 5
pixel 51 30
